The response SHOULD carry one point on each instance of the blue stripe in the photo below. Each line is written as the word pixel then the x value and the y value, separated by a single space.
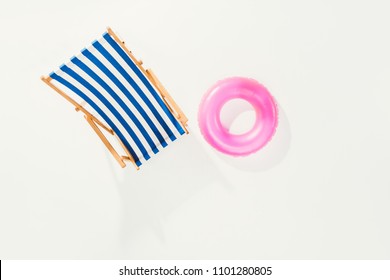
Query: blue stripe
pixel 115 80
pixel 100 112
pixel 115 63
pixel 109 106
pixel 142 77
pixel 103 84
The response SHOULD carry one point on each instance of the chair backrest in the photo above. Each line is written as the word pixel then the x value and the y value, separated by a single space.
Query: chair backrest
pixel 121 95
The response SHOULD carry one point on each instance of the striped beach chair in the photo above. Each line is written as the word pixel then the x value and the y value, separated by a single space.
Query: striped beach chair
pixel 119 97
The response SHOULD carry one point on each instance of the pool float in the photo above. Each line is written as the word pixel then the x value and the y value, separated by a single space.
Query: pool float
pixel 218 135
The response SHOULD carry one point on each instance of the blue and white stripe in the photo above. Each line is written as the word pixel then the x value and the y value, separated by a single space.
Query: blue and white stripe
pixel 114 88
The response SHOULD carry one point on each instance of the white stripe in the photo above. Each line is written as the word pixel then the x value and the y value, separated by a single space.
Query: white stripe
pixel 105 110
pixel 132 91
pixel 112 101
pixel 79 100
pixel 119 76
pixel 123 97
pixel 147 93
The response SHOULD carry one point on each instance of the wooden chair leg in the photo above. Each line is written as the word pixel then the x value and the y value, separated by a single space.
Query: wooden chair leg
pixel 92 123
pixel 168 100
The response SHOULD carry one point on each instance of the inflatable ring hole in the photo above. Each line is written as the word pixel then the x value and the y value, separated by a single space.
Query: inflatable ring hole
pixel 238 116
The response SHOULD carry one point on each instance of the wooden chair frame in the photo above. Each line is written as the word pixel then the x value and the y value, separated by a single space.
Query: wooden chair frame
pixel 95 123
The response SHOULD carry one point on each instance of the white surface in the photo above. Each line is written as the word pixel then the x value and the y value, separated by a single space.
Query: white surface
pixel 320 190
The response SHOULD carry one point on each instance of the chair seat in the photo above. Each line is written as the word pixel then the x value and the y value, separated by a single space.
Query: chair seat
pixel 119 93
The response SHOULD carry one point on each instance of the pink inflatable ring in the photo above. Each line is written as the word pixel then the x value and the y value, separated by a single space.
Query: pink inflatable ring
pixel 218 136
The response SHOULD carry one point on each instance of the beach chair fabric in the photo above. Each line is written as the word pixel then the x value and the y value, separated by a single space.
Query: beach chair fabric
pixel 118 93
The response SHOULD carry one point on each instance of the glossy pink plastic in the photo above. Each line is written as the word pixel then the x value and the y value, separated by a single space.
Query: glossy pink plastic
pixel 218 136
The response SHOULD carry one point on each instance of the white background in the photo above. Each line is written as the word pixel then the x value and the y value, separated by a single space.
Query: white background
pixel 321 189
